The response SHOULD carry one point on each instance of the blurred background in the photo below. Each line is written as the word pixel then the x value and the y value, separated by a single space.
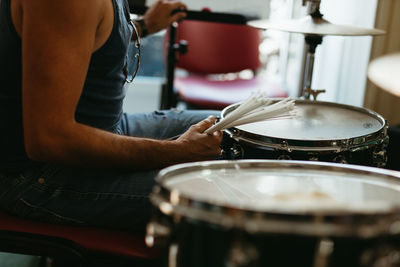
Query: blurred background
pixel 340 64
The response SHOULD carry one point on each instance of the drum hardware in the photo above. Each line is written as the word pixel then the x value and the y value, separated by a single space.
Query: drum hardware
pixel 313 6
pixel 157 234
pixel 380 157
pixel 235 152
pixel 284 157
pixel 285 146
pixel 323 252
pixel 315 92
pixel 341 158
pixel 344 145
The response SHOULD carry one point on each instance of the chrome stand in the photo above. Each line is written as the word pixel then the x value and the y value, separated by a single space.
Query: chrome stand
pixel 312 41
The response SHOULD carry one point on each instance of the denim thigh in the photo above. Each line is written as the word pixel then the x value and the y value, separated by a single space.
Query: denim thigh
pixel 82 197
pixel 162 124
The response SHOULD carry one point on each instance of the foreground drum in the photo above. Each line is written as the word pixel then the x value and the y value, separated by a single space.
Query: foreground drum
pixel 323 131
pixel 276 213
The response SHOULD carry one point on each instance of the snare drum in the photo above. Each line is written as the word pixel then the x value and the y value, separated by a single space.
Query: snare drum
pixel 277 213
pixel 322 131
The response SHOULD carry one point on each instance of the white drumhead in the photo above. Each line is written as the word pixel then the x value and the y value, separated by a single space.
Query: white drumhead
pixel 319 121
pixel 294 190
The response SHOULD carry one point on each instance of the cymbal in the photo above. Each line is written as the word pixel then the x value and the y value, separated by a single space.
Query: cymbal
pixel 385 73
pixel 313 26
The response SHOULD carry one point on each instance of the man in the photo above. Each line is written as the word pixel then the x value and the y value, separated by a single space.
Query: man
pixel 68 153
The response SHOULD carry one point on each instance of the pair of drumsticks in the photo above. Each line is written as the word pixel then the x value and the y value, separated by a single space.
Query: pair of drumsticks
pixel 256 108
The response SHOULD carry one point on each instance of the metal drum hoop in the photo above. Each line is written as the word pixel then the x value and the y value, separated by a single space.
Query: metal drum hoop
pixel 337 145
pixel 173 203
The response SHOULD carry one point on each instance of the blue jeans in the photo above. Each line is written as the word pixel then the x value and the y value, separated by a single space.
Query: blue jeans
pixel 95 197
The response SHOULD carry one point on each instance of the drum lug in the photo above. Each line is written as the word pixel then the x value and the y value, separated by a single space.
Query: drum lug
pixel 324 251
pixel 157 234
pixel 284 157
pixel 379 156
pixel 343 145
pixel 233 152
pixel 285 148
pixel 340 158
pixel 237 151
pixel 230 147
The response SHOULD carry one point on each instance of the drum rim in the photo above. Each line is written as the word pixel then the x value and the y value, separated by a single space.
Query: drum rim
pixel 336 145
pixel 304 223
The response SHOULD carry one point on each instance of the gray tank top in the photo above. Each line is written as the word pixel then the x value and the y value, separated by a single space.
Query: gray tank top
pixel 101 101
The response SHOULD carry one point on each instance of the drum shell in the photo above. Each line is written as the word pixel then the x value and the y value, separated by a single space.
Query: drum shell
pixel 201 244
pixel 372 154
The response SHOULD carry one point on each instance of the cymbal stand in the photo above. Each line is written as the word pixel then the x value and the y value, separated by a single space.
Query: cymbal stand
pixel 312 41
pixel 313 7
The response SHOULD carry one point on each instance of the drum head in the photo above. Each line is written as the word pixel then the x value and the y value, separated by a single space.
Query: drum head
pixel 317 121
pixel 286 187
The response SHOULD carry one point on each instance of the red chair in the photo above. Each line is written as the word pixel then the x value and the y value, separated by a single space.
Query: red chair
pixel 75 246
pixel 218 48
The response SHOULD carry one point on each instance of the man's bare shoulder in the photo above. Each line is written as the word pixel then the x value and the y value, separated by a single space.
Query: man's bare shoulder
pixel 67 10
pixel 89 16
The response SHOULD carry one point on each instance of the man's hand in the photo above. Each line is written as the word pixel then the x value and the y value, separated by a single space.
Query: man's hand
pixel 159 16
pixel 198 145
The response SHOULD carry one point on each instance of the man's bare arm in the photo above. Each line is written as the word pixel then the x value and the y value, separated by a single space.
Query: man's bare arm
pixel 58 38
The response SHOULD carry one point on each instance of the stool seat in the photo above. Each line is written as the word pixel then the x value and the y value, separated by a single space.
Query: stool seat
pixel 98 240
pixel 216 94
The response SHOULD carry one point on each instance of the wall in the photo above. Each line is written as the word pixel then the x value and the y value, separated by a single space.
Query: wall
pixel 387 18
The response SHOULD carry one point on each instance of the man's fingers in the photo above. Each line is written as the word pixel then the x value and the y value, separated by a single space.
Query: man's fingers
pixel 178 9
pixel 205 124
pixel 217 133
pixel 177 17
